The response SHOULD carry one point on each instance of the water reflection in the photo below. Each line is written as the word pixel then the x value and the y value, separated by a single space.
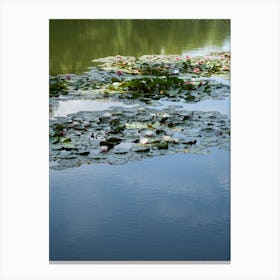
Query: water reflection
pixel 74 43
pixel 64 108
pixel 165 208
pixel 208 105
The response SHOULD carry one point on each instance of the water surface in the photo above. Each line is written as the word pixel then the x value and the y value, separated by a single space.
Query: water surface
pixel 172 207
pixel 64 108
pixel 74 43
pixel 208 105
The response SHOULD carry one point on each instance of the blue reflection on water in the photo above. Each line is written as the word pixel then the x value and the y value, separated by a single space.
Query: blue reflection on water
pixel 172 207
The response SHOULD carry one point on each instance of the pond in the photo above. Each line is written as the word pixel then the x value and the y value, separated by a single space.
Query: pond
pixel 74 43
pixel 168 208
pixel 139 140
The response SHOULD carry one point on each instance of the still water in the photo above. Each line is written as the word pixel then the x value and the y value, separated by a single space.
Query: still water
pixel 64 108
pixel 172 207
pixel 74 43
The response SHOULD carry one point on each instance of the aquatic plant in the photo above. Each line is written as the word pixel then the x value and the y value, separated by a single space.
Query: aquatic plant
pixel 164 65
pixel 152 85
pixel 118 135
pixel 145 132
pixel 57 86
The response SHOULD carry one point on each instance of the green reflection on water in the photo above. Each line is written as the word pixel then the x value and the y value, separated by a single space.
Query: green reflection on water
pixel 74 43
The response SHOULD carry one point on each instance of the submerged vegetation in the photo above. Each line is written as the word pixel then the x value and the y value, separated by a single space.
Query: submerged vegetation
pixel 119 134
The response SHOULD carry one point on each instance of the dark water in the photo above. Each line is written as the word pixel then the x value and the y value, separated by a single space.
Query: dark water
pixel 74 43
pixel 166 208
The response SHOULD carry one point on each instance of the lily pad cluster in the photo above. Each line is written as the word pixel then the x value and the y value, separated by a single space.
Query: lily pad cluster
pixel 170 88
pixel 165 65
pixel 150 77
pixel 71 83
pixel 119 135
pixel 58 86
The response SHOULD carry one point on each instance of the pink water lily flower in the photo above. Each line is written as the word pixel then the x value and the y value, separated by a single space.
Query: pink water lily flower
pixel 119 72
pixel 200 61
pixel 202 83
pixel 196 70
pixel 104 149
pixel 178 58
pixel 190 83
pixel 187 57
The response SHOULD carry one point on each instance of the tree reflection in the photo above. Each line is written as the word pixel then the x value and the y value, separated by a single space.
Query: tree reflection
pixel 74 43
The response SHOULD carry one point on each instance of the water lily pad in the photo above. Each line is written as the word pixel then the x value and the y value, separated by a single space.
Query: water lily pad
pixel 141 149
pixel 148 133
pixel 65 140
pixel 162 146
pixel 147 130
pixel 83 152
